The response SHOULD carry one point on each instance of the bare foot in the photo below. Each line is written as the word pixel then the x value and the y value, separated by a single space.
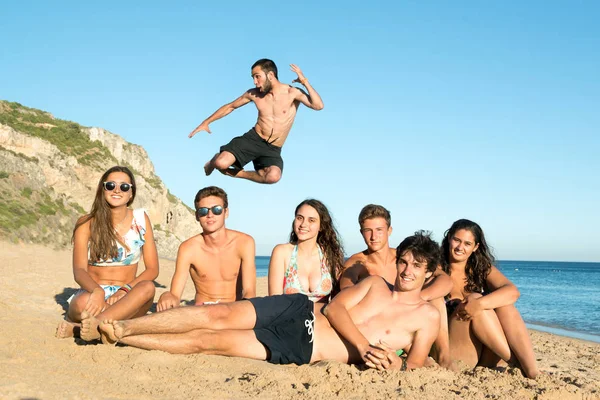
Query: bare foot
pixel 429 362
pixel 111 331
pixel 446 362
pixel 66 329
pixel 209 168
pixel 89 327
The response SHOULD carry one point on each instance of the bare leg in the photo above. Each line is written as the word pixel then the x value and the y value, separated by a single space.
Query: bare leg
pixel 267 175
pixel 518 339
pixel 468 337
pixel 239 315
pixel 488 330
pixel 464 345
pixel 220 161
pixel 134 304
pixel 236 343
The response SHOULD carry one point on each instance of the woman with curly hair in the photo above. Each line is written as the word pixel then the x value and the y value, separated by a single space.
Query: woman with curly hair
pixel 312 261
pixel 484 325
pixel 107 246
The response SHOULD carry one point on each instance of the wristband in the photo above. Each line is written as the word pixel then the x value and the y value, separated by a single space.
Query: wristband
pixel 126 288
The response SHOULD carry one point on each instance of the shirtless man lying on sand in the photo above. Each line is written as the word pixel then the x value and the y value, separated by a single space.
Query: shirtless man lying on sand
pixel 362 324
pixel 219 260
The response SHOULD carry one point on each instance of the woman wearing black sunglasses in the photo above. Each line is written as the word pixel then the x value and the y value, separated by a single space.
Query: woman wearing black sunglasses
pixel 108 243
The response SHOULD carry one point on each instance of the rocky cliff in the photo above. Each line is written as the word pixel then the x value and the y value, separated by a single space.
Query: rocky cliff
pixel 49 169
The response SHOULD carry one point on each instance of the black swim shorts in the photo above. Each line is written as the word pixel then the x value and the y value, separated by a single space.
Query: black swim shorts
pixel 252 147
pixel 285 326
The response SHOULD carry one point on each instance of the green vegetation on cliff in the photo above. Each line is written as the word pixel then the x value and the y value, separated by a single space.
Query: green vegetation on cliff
pixel 27 214
pixel 66 135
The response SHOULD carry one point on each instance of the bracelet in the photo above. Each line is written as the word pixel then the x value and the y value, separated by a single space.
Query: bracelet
pixel 126 288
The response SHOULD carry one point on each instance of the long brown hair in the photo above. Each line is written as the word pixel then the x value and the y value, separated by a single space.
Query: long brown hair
pixel 327 239
pixel 479 264
pixel 103 238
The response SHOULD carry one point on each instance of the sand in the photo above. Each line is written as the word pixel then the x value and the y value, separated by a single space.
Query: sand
pixel 36 281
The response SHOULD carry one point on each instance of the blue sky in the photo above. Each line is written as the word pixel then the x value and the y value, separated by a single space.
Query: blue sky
pixel 436 110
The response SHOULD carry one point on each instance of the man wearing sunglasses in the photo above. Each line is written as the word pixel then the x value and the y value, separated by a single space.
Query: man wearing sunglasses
pixel 219 260
pixel 277 104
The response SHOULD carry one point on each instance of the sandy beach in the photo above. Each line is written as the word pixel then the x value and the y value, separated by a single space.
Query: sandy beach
pixel 36 281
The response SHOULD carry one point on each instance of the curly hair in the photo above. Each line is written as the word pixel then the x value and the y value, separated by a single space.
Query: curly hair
pixel 479 264
pixel 327 239
pixel 423 249
pixel 103 237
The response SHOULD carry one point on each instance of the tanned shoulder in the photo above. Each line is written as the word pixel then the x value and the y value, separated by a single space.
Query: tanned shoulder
pixel 191 242
pixel 429 313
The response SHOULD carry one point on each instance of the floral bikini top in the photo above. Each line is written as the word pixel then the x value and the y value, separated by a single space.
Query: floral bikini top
pixel 134 239
pixel 291 283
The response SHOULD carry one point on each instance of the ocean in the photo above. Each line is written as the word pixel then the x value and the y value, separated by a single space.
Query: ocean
pixel 557 297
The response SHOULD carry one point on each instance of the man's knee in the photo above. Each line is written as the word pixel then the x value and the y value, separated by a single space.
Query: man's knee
pixel 223 162
pixel 273 175
pixel 207 342
pixel 217 314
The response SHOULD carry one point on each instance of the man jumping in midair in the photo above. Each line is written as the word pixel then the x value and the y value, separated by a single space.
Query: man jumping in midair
pixel 277 104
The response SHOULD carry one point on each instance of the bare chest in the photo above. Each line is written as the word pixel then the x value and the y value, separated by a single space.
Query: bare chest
pixel 216 267
pixel 276 105
pixel 391 323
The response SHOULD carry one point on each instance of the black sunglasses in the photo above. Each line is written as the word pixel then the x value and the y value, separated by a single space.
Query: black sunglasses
pixel 110 186
pixel 203 211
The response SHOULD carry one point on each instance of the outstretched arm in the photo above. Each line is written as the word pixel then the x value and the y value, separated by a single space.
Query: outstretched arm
pixel 276 270
pixel 248 268
pixel 221 112
pixel 310 100
pixel 172 298
pixel 96 302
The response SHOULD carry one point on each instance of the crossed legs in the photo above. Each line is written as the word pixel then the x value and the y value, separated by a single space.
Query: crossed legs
pixel 80 323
